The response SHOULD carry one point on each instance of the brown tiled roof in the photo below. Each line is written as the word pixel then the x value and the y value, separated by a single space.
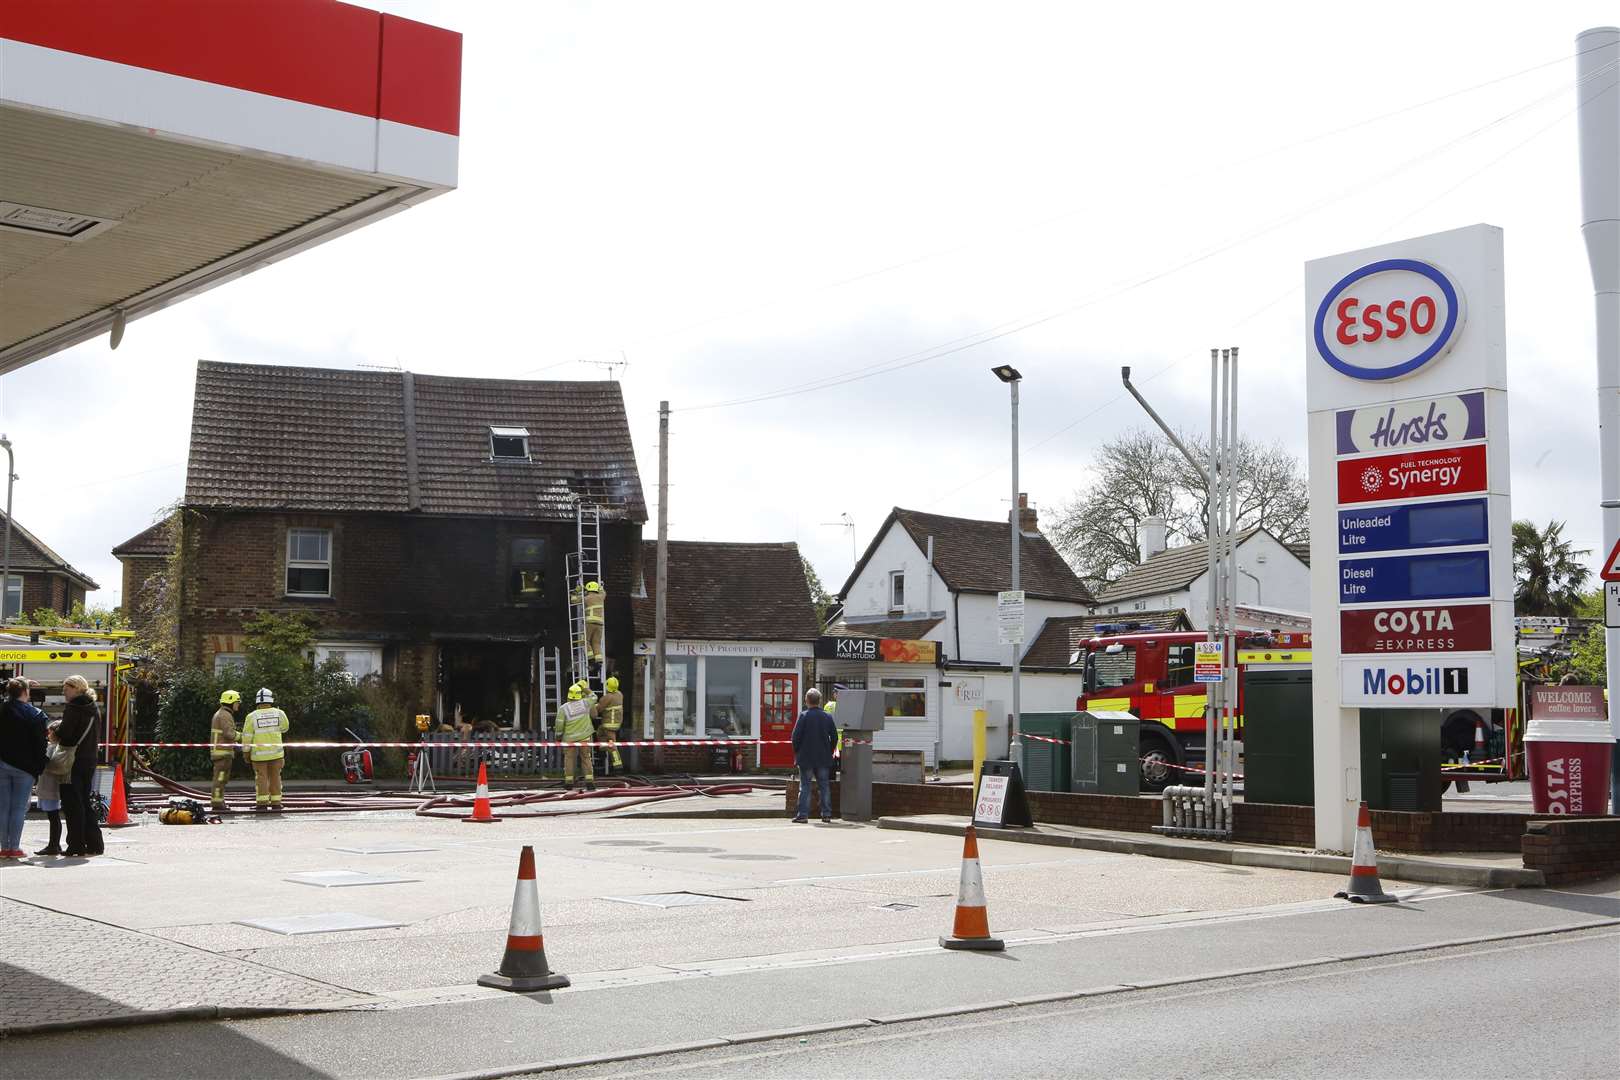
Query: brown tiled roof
pixel 30 553
pixel 154 540
pixel 900 629
pixel 730 592
pixel 1168 571
pixel 973 556
pixel 291 438
pixel 1060 636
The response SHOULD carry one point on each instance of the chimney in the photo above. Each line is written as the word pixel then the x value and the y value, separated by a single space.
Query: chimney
pixel 1150 537
pixel 1026 516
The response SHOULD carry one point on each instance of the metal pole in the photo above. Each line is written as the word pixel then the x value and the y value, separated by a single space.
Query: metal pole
pixel 1215 699
pixel 1229 764
pixel 661 584
pixel 5 559
pixel 1598 93
pixel 1017 514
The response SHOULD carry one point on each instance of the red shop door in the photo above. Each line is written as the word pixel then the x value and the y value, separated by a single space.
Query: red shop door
pixel 778 709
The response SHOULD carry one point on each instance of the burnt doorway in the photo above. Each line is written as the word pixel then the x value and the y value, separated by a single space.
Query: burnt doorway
pixel 492 682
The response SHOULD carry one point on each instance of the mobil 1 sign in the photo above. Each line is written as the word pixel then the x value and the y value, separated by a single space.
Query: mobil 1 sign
pixel 1406 390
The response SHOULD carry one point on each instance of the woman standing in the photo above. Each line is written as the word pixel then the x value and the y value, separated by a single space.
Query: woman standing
pixel 80 727
pixel 22 758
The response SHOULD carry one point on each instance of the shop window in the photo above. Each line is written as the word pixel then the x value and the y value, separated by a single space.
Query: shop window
pixel 1178 669
pixel 309 562
pixel 728 695
pixel 527 582
pixel 680 696
pixel 904 698
pixel 897 590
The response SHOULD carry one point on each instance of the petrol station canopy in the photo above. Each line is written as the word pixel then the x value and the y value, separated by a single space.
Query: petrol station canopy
pixel 151 149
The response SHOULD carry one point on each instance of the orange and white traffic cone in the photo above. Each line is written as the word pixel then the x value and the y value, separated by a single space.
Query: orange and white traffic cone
pixel 1364 887
pixel 1479 741
pixel 523 967
pixel 481 812
pixel 118 807
pixel 972 927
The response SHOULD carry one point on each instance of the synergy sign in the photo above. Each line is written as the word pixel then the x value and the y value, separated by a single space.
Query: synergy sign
pixel 1387 319
pixel 1420 474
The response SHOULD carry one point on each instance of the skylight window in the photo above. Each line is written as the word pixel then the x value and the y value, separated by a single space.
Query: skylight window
pixel 508 444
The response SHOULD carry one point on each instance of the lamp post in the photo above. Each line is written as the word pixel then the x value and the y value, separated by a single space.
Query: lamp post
pixel 1009 375
pixel 5 557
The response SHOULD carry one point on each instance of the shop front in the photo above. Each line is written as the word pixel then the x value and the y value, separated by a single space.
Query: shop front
pixel 746 690
pixel 906 672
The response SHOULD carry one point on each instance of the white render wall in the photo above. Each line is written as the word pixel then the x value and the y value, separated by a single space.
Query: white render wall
pixel 869 596
pixel 1284 582
pixel 980 640
pixel 1038 692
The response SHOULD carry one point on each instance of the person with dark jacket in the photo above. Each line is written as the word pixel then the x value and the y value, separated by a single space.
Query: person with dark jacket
pixel 22 759
pixel 81 721
pixel 813 737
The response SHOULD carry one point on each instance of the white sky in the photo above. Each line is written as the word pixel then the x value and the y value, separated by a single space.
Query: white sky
pixel 740 198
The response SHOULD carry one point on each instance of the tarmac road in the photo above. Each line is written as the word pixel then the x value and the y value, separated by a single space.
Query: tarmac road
pixel 1541 1006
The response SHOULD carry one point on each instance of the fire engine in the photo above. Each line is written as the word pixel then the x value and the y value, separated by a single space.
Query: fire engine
pixel 1150 674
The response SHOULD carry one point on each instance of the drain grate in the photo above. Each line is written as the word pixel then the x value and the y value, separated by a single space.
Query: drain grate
pixel 675 899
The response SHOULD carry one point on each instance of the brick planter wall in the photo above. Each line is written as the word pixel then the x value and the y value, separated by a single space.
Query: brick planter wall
pixel 1273 823
pixel 1572 849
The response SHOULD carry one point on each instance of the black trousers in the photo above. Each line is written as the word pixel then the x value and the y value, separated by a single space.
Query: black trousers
pixel 83 829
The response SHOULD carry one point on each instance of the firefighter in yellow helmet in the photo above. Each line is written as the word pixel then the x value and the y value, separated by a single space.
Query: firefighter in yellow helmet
pixel 222 745
pixel 595 605
pixel 575 730
pixel 609 713
pixel 261 744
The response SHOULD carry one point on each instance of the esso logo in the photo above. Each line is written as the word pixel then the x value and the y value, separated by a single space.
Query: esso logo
pixel 1387 319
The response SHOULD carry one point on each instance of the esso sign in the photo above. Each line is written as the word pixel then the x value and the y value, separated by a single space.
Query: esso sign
pixel 1387 319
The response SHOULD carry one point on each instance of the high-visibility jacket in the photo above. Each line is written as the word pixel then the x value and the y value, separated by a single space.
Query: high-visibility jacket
pixel 574 721
pixel 838 747
pixel 261 734
pixel 594 603
pixel 222 734
pixel 610 710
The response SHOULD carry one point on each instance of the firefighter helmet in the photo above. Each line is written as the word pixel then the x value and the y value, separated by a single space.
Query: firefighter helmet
pixel 593 586
pixel 229 697
pixel 264 696
pixel 612 684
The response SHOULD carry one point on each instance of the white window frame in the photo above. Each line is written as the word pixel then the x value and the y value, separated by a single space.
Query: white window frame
pixel 229 661
pixel 522 433
pixel 324 650
pixel 897 577
pixel 309 564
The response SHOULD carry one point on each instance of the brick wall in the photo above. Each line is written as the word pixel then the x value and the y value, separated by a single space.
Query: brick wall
pixel 1568 849
pixel 1273 823
pixel 1452 830
pixel 140 592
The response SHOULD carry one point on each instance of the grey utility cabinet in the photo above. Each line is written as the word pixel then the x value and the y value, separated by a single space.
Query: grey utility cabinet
pixel 1107 754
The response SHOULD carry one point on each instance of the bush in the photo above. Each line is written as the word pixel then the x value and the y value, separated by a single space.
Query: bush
pixel 185 714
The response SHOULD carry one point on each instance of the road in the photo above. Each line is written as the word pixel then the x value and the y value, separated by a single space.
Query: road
pixel 1544 1006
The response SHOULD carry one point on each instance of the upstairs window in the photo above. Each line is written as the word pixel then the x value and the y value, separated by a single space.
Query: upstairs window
pixel 508 444
pixel 309 562
pixel 897 590
pixel 13 598
pixel 528 580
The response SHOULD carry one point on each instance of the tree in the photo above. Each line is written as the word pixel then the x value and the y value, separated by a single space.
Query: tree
pixel 80 617
pixel 818 593
pixel 1547 570
pixel 1139 475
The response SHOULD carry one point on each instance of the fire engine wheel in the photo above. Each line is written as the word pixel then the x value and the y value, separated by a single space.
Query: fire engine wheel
pixel 1158 760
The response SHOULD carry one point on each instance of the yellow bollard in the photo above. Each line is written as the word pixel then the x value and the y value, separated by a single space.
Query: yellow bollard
pixel 978 750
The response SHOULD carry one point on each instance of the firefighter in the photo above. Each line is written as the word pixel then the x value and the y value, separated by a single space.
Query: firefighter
pixel 574 728
pixel 609 712
pixel 221 744
pixel 261 744
pixel 831 710
pixel 595 602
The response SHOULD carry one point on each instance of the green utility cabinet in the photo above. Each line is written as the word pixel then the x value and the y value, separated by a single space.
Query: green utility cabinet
pixel 1400 759
pixel 1277 743
pixel 1107 753
pixel 1045 765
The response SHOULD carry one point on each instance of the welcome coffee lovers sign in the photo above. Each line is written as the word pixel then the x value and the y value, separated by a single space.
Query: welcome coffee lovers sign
pixel 1410 520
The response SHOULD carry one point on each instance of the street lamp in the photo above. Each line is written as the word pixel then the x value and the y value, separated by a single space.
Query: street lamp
pixel 5 557
pixel 1009 375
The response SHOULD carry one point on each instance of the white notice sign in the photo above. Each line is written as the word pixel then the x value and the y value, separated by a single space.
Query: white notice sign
pixel 1611 604
pixel 1010 616
pixel 992 797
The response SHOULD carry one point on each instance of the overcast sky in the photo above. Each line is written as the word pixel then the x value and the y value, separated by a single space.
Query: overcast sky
pixel 740 198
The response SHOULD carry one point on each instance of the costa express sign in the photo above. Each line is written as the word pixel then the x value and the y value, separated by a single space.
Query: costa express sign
pixel 1416 475
pixel 1387 319
pixel 1436 629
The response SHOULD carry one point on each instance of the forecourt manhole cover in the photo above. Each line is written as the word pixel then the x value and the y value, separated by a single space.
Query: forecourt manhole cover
pixel 337 879
pixel 318 924
pixel 685 849
pixel 744 856
pixel 675 899
pixel 381 849
pixel 623 843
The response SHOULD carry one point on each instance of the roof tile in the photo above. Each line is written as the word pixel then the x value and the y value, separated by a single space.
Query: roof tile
pixel 730 592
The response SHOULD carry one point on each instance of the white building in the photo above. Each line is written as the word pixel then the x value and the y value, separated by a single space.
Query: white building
pixel 898 593
pixel 1273 581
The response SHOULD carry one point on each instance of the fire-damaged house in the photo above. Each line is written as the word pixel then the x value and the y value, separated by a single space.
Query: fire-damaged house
pixel 438 529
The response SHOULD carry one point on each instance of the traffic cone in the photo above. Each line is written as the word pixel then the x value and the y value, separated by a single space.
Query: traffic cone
pixel 972 928
pixel 1364 887
pixel 118 808
pixel 1479 740
pixel 523 966
pixel 481 812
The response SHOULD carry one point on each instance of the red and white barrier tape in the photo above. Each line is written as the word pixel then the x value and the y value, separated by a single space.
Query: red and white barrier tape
pixel 1494 763
pixel 513 744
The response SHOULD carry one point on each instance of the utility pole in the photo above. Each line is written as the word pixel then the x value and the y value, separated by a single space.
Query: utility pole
pixel 1010 375
pixel 661 585
pixel 1597 93
pixel 5 559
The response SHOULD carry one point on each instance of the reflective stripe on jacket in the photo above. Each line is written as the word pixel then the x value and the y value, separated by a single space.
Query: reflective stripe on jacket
pixel 222 734
pixel 611 710
pixel 574 721
pixel 261 734
pixel 593 606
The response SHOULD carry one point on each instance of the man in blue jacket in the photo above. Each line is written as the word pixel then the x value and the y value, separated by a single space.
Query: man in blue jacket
pixel 813 738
